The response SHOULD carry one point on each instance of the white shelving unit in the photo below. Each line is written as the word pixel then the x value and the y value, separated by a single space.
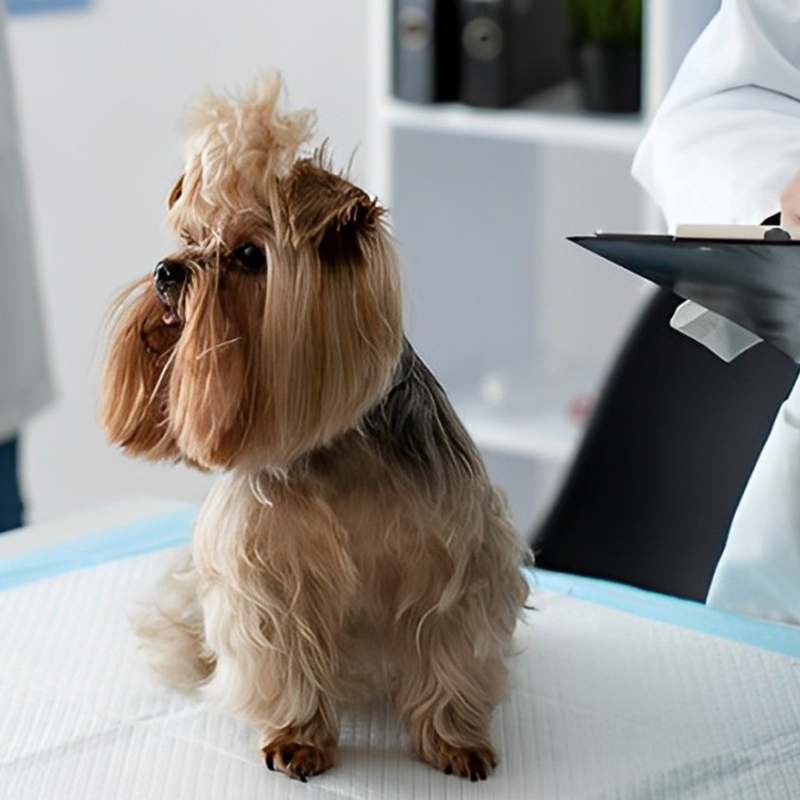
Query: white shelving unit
pixel 540 122
pixel 519 324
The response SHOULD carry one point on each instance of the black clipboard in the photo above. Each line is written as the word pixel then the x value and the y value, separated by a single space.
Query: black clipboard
pixel 752 282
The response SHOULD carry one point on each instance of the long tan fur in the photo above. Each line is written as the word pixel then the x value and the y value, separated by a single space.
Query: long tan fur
pixel 354 544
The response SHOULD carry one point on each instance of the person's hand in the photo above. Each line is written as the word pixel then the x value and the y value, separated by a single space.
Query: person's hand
pixel 790 203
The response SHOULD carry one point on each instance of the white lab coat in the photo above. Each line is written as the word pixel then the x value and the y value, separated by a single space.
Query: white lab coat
pixel 720 150
pixel 24 379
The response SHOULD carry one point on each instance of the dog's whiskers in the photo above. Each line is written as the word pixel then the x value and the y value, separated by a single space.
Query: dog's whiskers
pixel 216 347
pixel 172 353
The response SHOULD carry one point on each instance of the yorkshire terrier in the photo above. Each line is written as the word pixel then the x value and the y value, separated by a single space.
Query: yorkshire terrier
pixel 354 544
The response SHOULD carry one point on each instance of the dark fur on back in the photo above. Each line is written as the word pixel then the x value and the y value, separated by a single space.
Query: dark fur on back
pixel 415 428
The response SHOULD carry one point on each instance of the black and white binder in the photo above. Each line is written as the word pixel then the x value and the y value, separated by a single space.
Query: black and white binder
pixel 426 50
pixel 748 274
pixel 511 49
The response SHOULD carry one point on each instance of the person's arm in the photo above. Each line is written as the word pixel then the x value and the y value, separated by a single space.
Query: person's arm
pixel 725 148
pixel 24 376
pixel 726 141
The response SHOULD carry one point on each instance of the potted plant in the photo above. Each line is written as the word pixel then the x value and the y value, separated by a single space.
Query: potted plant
pixel 607 52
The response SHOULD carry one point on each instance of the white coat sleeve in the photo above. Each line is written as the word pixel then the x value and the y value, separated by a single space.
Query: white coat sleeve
pixel 726 139
pixel 720 150
pixel 24 376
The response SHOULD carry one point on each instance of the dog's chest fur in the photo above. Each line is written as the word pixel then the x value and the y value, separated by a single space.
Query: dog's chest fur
pixel 358 526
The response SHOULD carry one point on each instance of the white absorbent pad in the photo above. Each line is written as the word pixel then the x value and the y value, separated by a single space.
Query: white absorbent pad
pixel 623 703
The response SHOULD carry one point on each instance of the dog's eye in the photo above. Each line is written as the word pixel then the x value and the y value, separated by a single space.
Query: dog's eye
pixel 252 258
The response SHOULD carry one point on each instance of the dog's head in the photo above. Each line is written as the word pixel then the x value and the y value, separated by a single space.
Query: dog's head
pixel 276 323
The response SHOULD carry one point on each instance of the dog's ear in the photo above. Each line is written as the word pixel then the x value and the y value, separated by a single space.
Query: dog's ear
pixel 175 193
pixel 326 211
pixel 331 332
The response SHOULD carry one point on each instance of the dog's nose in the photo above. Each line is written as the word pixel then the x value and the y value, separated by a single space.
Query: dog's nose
pixel 169 273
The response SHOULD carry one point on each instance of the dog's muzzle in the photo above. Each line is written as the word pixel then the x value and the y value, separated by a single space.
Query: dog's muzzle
pixel 169 277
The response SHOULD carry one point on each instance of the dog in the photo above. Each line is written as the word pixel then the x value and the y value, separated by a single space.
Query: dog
pixel 353 545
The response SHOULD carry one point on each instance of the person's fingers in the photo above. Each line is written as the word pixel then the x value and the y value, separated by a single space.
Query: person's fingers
pixel 790 202
pixel 790 219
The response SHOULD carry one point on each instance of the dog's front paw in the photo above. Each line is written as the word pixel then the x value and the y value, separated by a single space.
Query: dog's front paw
pixel 475 763
pixel 299 760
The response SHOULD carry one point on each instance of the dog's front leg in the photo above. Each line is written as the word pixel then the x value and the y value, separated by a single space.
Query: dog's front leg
pixel 453 677
pixel 277 581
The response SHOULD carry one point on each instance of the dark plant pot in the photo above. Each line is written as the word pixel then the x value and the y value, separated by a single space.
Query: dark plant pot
pixel 610 76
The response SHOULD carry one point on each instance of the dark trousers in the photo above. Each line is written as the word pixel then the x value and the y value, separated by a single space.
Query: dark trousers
pixel 10 499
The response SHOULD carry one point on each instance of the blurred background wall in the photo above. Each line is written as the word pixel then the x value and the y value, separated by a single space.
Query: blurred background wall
pixel 518 324
pixel 101 93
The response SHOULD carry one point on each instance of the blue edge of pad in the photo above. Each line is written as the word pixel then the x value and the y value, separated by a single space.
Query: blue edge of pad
pixel 171 530
pixel 41 6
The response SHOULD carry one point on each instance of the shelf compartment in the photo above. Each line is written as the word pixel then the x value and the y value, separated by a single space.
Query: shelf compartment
pixel 546 435
pixel 553 117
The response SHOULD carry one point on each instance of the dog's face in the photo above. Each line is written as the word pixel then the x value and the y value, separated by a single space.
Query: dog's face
pixel 276 324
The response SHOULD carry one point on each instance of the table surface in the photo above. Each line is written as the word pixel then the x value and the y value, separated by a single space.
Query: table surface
pixel 76 526
pixel 617 693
